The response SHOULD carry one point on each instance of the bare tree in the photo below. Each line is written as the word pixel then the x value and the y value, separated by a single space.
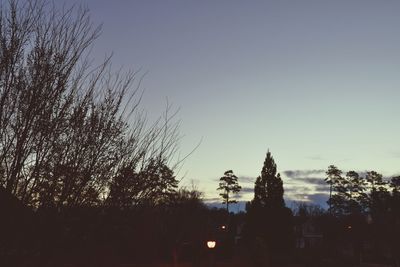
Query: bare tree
pixel 67 128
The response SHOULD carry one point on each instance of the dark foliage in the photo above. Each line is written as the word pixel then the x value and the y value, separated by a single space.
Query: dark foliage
pixel 67 128
pixel 229 185
pixel 269 224
pixel 364 216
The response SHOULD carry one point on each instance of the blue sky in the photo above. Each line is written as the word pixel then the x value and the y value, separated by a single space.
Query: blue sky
pixel 316 82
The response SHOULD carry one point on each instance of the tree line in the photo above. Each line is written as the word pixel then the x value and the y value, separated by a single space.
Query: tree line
pixel 355 193
pixel 365 211
pixel 361 224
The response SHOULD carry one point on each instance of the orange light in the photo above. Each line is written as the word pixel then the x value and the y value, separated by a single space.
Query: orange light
pixel 211 244
pixel 223 227
pixel 349 227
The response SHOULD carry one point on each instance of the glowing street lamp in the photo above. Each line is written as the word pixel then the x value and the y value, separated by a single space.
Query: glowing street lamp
pixel 211 244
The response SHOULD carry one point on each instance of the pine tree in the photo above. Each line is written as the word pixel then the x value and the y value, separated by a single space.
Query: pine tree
pixel 269 223
pixel 333 176
pixel 268 189
pixel 229 184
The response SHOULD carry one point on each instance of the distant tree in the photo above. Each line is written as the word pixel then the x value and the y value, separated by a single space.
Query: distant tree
pixel 395 218
pixel 379 195
pixel 155 184
pixel 395 186
pixel 355 192
pixel 352 193
pixel 352 198
pixel 161 182
pixel 347 193
pixel 333 176
pixel 191 197
pixel 228 184
pixel 307 210
pixel 268 189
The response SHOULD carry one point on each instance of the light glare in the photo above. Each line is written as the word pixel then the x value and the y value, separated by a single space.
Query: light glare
pixel 211 244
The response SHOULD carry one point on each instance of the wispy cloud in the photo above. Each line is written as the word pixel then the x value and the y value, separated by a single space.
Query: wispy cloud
pixel 299 185
pixel 297 189
pixel 306 186
pixel 313 176
pixel 312 180
pixel 241 179
pixel 247 190
pixel 212 199
pixel 322 188
pixel 302 173
pixel 246 179
pixel 315 198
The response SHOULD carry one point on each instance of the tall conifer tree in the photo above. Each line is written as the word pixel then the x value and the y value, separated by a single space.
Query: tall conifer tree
pixel 269 223
pixel 268 189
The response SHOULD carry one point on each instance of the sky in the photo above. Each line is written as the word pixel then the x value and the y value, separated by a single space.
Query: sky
pixel 315 82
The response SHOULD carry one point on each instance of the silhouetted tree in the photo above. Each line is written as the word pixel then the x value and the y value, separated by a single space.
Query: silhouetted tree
pixel 356 194
pixel 333 176
pixel 268 189
pixel 269 224
pixel 308 210
pixel 395 186
pixel 67 128
pixel 228 184
pixel 155 184
pixel 356 198
pixel 395 219
pixel 72 138
pixel 378 192
pixel 348 196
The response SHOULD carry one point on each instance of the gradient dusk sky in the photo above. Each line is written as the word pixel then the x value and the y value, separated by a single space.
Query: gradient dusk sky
pixel 316 82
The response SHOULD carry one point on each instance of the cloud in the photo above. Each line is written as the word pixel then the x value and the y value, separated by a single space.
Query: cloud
pixel 212 199
pixel 247 190
pixel 246 179
pixel 305 177
pixel 316 199
pixel 312 180
pixel 305 180
pixel 241 180
pixel 322 188
pixel 297 189
pixel 302 173
pixel 299 185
